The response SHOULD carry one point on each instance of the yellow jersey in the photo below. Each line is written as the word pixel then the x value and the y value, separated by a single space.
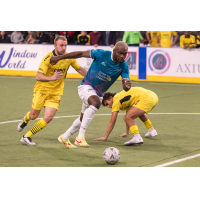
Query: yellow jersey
pixel 198 41
pixel 165 37
pixel 190 41
pixel 54 87
pixel 153 35
pixel 124 100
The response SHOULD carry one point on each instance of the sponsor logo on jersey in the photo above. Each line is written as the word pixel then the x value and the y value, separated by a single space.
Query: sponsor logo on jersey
pixel 103 63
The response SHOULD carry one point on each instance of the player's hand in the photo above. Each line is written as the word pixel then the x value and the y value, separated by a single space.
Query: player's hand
pixel 123 135
pixel 128 84
pixel 100 139
pixel 112 45
pixel 172 44
pixel 54 60
pixel 150 41
pixel 57 76
pixel 96 45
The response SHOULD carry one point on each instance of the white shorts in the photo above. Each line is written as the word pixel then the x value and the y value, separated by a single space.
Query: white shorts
pixel 84 92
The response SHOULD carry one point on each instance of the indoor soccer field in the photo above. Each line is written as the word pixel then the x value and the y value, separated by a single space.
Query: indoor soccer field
pixel 176 119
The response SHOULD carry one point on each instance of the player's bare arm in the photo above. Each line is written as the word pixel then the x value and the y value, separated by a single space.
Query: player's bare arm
pixel 174 42
pixel 148 38
pixel 126 84
pixel 41 77
pixel 76 54
pixel 110 126
pixel 82 71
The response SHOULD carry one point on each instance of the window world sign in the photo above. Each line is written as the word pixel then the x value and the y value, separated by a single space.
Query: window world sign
pixel 20 57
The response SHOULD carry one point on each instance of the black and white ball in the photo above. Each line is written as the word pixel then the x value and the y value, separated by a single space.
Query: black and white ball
pixel 111 155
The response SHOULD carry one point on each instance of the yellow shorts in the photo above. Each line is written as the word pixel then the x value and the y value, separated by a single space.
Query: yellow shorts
pixel 40 100
pixel 147 102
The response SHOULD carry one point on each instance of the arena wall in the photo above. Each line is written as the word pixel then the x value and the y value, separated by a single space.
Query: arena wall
pixel 145 63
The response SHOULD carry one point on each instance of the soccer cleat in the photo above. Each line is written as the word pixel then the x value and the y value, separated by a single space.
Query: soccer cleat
pixel 27 140
pixel 81 142
pixel 133 141
pixel 67 143
pixel 21 125
pixel 151 133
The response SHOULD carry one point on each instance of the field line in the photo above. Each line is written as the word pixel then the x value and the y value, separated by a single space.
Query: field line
pixel 179 84
pixel 6 122
pixel 178 161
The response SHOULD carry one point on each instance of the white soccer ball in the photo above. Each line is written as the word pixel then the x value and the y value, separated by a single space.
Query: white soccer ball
pixel 111 155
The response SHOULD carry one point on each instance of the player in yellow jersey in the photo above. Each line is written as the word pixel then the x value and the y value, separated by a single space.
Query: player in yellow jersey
pixel 187 40
pixel 48 89
pixel 198 39
pixel 164 38
pixel 153 39
pixel 137 102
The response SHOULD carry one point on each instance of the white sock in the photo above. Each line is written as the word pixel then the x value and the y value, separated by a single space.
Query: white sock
pixel 137 135
pixel 87 118
pixel 73 129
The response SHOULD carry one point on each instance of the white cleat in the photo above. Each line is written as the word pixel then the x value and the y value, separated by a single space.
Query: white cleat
pixel 27 140
pixel 151 133
pixel 133 141
pixel 21 125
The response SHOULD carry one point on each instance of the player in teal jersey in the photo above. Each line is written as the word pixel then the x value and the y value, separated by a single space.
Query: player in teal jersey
pixel 104 71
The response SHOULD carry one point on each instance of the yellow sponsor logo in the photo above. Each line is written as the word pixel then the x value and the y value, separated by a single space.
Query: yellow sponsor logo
pixel 109 79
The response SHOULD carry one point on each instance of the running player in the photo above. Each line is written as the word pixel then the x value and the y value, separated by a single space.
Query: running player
pixel 137 102
pixel 104 71
pixel 48 89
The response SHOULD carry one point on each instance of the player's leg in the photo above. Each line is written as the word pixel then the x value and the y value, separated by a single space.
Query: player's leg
pixel 64 138
pixel 148 102
pixel 151 131
pixel 31 115
pixel 129 118
pixel 94 104
pixel 38 126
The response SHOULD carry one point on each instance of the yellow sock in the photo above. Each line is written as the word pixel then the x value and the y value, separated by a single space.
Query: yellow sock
pixel 37 127
pixel 134 129
pixel 148 124
pixel 27 118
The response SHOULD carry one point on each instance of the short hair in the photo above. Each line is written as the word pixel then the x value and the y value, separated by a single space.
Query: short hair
pixel 33 34
pixel 107 96
pixel 60 37
pixel 122 44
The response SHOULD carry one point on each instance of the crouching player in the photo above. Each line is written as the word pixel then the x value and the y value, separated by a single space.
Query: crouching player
pixel 137 102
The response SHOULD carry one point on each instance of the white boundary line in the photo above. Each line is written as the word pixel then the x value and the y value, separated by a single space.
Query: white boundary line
pixel 6 122
pixel 178 161
pixel 163 165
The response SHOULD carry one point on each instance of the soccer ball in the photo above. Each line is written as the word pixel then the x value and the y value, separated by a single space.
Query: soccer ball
pixel 111 155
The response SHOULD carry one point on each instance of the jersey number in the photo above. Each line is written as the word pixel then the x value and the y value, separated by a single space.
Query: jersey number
pixel 126 98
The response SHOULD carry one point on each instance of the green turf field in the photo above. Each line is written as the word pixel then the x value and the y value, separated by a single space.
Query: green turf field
pixel 178 137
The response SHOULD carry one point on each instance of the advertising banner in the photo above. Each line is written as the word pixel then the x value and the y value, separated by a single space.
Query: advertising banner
pixel 24 59
pixel 174 62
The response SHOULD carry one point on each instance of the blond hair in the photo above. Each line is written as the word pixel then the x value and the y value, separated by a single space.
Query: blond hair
pixel 60 37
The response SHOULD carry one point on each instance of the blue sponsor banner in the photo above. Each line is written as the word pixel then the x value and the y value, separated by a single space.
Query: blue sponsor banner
pixel 142 72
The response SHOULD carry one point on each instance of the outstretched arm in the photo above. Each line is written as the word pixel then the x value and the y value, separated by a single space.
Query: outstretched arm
pixel 76 54
pixel 110 126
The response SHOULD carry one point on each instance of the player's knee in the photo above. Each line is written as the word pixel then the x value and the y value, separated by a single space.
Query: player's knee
pixel 125 118
pixel 96 104
pixel 47 119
